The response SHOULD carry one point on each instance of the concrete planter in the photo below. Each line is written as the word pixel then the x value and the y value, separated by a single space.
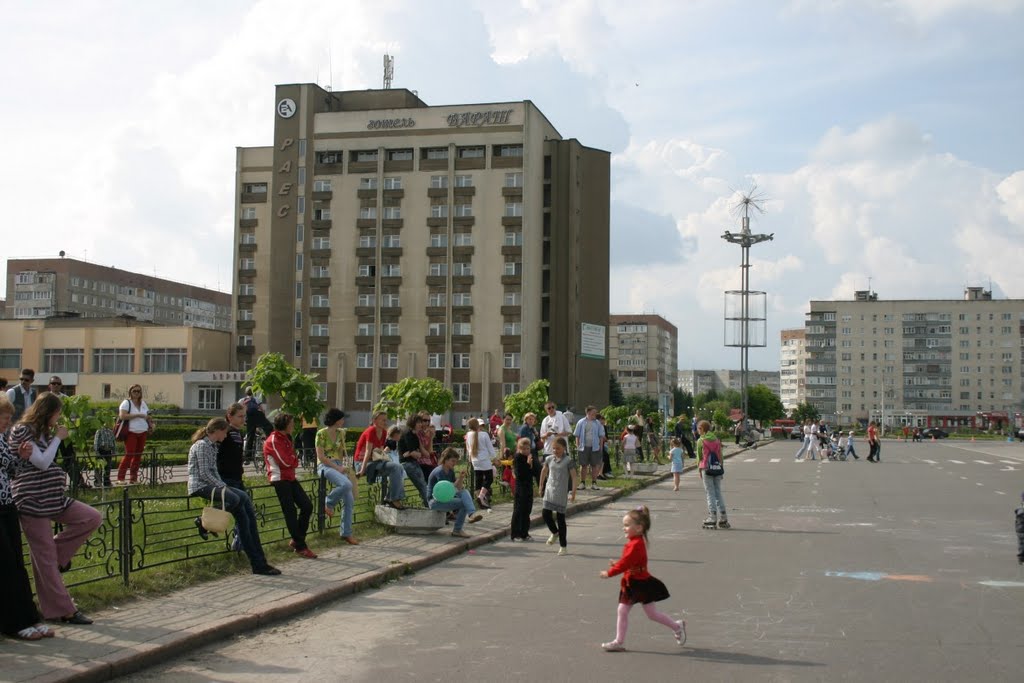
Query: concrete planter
pixel 410 521
pixel 645 468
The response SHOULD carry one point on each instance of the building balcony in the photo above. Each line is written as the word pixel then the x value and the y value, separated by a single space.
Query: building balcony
pixel 511 192
pixel 329 169
pixel 511 310
pixel 395 223
pixel 320 282
pixel 391 251
pixel 366 223
pixel 322 224
pixel 246 247
pixel 366 280
pixel 246 298
pixel 433 222
pixel 386 281
pixel 433 164
pixel 362 167
pixel 463 251
pixel 470 164
pixel 365 312
pixel 511 339
pixel 247 273
pixel 245 325
pixel 254 197
pixel 366 252
pixel 367 193
pixel 462 310
pixel 248 222
pixel 512 221
pixel 464 191
pixel 320 253
pixel 245 349
pixel 393 194
pixel 319 341
pixel 466 339
pixel 436 312
pixel 437 339
pixel 398 166
pixel 320 311
pixel 506 162
pixel 437 280
pixel 363 340
pixel 437 191
pixel 511 279
pixel 322 196
pixel 511 250
pixel 464 220
pixel 390 339
pixel 437 251
pixel 462 279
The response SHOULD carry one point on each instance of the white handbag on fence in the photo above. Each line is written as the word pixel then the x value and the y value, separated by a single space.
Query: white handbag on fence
pixel 217 519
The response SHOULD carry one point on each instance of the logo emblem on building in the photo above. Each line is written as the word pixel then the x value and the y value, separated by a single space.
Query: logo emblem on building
pixel 286 108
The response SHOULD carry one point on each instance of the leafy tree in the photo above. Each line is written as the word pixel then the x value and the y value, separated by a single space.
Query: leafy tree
pixel 274 376
pixel 414 394
pixel 615 418
pixel 646 404
pixel 82 417
pixel 764 404
pixel 732 398
pixel 682 402
pixel 720 419
pixel 805 411
pixel 529 400
pixel 615 396
pixel 706 397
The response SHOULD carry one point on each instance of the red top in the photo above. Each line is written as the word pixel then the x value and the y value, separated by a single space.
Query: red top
pixel 633 563
pixel 279 454
pixel 872 434
pixel 368 440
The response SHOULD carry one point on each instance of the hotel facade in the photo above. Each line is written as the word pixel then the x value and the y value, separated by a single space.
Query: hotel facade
pixel 379 238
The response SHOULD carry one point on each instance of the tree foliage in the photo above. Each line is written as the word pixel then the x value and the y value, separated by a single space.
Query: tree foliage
pixel 682 402
pixel 805 411
pixel 764 405
pixel 83 417
pixel 414 394
pixel 615 396
pixel 272 375
pixel 529 400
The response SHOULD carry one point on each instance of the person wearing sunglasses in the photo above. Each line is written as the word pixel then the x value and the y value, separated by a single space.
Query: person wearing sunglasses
pixel 22 395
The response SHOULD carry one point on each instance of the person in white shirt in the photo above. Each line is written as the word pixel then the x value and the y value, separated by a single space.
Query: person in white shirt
pixel 481 454
pixel 589 436
pixel 806 445
pixel 553 426
pixel 815 442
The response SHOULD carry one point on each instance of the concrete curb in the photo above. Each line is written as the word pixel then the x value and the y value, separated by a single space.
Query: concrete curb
pixel 124 661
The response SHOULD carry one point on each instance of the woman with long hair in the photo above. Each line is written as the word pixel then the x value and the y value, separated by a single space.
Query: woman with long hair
pixel 279 452
pixel 204 482
pixel 19 618
pixel 140 425
pixel 480 452
pixel 39 493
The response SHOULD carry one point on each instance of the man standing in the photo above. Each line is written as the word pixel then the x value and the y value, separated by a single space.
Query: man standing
pixel 639 422
pixel 554 425
pixel 589 436
pixel 495 422
pixel 254 417
pixel 680 433
pixel 874 445
pixel 22 395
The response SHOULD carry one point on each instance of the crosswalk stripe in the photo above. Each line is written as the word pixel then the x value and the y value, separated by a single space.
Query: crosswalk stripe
pixel 931 462
pixel 1009 462
pixel 775 460
pixel 958 462
pixel 750 460
pixel 1000 493
pixel 982 462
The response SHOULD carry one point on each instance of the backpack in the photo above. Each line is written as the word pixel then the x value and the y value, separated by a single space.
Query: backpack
pixel 713 458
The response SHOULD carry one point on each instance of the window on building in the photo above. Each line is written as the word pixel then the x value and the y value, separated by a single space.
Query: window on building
pixel 435 361
pixel 438 210
pixel 460 390
pixel 439 181
pixel 509 388
pixel 321 214
pixel 365 329
pixel 513 238
pixel 513 268
pixel 390 300
pixel 514 179
pixel 463 269
pixel 364 393
pixel 436 329
pixel 245 340
pixel 393 183
pixel 209 398
pixel 318 360
pixel 392 213
pixel 364 360
pixel 389 360
pixel 246 314
pixel 438 269
pixel 389 329
pixel 463 210
pixel 464 180
pixel 462 299
pixel 436 153
pixel 364 155
pixel 298 320
pixel 63 360
pixel 254 188
pixel 318 330
pixel 463 239
pixel 367 241
pixel 476 152
pixel 329 157
pixel 368 183
pixel 508 150
pixel 399 155
pixel 512 297
pixel 300 205
pixel 248 213
pixel 298 262
pixel 391 270
pixel 438 239
pixel 392 241
pixel 511 360
pixel 164 360
pixel 367 212
pixel 512 328
pixel 111 361
pixel 462 328
pixel 366 270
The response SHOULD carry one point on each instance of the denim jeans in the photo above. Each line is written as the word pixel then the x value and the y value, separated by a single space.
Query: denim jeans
pixel 235 484
pixel 804 447
pixel 395 476
pixel 239 504
pixel 713 491
pixel 462 504
pixel 415 474
pixel 342 491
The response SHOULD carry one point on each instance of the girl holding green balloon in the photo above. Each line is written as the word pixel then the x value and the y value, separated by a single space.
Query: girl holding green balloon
pixel 447 492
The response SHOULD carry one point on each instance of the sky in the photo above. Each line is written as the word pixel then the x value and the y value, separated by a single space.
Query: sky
pixel 883 136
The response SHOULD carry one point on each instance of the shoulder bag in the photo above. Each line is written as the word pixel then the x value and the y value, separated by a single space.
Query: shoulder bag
pixel 217 519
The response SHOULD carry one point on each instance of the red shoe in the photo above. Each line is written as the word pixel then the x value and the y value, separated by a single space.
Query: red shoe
pixel 351 540
pixel 306 552
pixel 329 511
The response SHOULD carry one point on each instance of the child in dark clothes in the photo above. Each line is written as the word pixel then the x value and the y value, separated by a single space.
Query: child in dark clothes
pixel 522 502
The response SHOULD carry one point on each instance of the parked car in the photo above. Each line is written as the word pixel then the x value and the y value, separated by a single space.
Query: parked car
pixel 934 433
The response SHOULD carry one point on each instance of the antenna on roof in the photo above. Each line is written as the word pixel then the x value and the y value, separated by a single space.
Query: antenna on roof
pixel 330 67
pixel 389 71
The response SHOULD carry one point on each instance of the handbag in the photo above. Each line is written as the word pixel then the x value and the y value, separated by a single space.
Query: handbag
pixel 217 519
pixel 121 430
pixel 379 455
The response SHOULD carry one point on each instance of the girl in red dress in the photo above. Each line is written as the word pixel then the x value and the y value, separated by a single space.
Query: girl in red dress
pixel 637 585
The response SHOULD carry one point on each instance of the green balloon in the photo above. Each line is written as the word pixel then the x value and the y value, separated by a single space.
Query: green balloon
pixel 444 491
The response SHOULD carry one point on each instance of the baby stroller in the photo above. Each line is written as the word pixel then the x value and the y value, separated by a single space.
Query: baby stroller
pixel 825 446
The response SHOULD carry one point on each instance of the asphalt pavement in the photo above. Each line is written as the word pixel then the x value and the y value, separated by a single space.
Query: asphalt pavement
pixel 904 570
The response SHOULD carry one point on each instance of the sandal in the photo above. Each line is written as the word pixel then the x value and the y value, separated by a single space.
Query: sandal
pixel 29 633
pixel 44 630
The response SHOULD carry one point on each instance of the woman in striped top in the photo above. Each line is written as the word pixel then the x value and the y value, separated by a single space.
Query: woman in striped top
pixel 38 490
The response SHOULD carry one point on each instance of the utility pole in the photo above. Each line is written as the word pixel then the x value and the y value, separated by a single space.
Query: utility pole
pixel 745 308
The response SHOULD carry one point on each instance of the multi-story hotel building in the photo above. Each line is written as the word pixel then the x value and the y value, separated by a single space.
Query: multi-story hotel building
pixel 40 288
pixel 925 362
pixel 791 368
pixel 643 351
pixel 380 238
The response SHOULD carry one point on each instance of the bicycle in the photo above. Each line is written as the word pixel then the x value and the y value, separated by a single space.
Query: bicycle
pixel 252 450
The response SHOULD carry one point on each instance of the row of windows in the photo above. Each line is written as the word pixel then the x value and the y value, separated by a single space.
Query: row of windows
pixel 460 391
pixel 407 153
pixel 112 360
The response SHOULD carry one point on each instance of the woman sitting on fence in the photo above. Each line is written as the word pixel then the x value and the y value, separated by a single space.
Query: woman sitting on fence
pixel 19 618
pixel 330 451
pixel 372 461
pixel 39 493
pixel 279 452
pixel 205 482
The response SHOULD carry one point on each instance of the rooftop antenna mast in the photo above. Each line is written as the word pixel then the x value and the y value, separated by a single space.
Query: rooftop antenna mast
pixel 389 71
pixel 746 316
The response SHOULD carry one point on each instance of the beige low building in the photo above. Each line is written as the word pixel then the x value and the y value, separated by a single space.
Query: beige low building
pixel 102 357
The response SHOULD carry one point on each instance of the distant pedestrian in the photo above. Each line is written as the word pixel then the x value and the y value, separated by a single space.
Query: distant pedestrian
pixel 850 450
pixel 637 584
pixel 140 425
pixel 682 433
pixel 712 471
pixel 606 461
pixel 676 455
pixel 559 471
pixel 589 435
pixel 522 498
pixel 630 445
pixel 282 460
pixel 805 445
pixel 104 446
pixel 529 431
pixel 481 455
pixel 874 445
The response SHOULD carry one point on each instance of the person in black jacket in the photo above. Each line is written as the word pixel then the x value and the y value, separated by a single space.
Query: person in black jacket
pixel 682 433
pixel 410 448
pixel 522 501
pixel 230 453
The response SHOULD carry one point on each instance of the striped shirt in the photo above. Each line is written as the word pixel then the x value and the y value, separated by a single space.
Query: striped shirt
pixel 202 466
pixel 38 485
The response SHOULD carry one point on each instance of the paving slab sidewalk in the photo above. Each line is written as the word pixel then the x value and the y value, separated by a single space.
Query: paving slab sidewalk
pixel 145 632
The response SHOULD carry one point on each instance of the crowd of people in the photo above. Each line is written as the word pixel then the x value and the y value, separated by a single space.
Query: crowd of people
pixel 819 442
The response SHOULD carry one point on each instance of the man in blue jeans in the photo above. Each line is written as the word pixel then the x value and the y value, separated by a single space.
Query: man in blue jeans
pixel 462 503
